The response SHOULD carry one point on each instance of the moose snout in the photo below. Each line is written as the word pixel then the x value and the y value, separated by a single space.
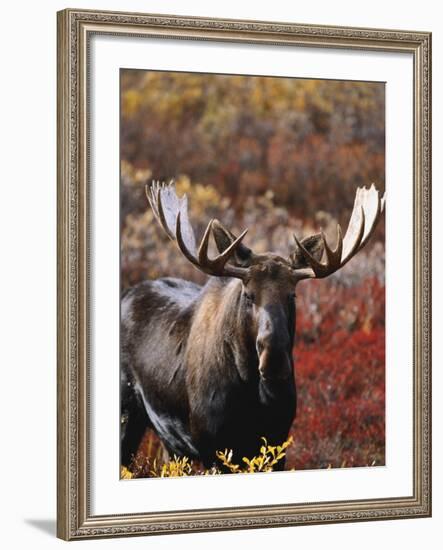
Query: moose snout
pixel 270 343
pixel 272 351
pixel 261 345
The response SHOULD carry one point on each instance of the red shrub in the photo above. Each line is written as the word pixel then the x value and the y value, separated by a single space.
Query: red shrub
pixel 340 372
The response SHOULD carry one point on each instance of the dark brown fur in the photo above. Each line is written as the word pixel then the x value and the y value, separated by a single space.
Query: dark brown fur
pixel 191 358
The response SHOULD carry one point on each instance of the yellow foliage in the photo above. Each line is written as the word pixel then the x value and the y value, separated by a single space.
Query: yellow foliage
pixel 201 197
pixel 179 467
pixel 269 456
pixel 131 102
pixel 133 176
pixel 125 473
pixel 182 466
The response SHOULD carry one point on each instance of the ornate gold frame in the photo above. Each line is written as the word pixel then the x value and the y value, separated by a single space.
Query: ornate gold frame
pixel 75 27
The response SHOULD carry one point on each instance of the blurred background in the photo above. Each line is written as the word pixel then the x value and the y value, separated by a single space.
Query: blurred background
pixel 277 156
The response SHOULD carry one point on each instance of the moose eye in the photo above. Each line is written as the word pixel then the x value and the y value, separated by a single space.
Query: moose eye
pixel 250 297
pixel 292 296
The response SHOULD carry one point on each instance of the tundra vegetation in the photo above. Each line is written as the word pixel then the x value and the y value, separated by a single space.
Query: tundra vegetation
pixel 278 156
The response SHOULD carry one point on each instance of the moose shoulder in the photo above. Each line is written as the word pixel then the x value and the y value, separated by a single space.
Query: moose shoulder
pixel 210 367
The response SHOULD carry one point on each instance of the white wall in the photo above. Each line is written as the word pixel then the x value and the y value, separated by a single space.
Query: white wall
pixel 27 123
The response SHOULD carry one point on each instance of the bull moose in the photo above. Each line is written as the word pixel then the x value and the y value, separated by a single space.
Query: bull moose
pixel 210 367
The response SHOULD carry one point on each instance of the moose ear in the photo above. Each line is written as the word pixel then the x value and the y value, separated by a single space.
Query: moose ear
pixel 223 238
pixel 314 245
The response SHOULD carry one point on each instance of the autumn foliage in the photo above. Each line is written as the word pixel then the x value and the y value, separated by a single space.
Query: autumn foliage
pixel 340 358
pixel 275 155
pixel 180 466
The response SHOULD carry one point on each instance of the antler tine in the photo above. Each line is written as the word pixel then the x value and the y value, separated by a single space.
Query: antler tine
pixel 339 247
pixel 172 214
pixel 154 199
pixel 379 206
pixel 150 196
pixel 333 257
pixel 202 253
pixel 365 214
pixel 382 202
pixel 160 209
pixel 218 265
pixel 181 244
pixel 215 266
pixel 316 266
pixel 228 252
pixel 356 239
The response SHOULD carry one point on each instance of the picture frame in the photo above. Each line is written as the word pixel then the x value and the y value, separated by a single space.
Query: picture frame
pixel 78 260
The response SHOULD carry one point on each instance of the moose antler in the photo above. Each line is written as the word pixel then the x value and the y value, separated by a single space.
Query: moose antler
pixel 367 209
pixel 172 214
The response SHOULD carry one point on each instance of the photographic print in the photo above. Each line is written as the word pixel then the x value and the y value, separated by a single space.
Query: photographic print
pixel 252 274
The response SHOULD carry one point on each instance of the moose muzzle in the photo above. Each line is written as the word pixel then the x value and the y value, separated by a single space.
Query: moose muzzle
pixel 273 344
